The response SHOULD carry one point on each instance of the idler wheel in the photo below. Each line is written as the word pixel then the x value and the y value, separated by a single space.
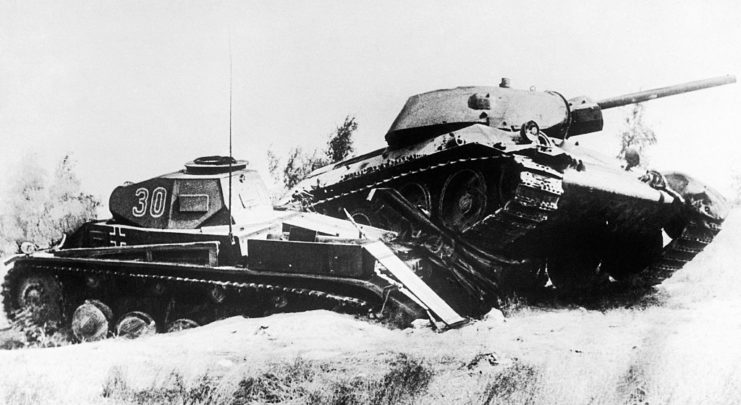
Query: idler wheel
pixel 91 320
pixel 181 324
pixel 136 324
pixel 463 199
pixel 40 298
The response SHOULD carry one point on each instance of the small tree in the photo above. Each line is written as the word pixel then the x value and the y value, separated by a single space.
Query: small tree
pixel 339 146
pixel 300 163
pixel 38 212
pixel 636 136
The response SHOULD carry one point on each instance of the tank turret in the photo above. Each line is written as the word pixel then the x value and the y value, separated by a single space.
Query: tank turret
pixel 194 197
pixel 430 114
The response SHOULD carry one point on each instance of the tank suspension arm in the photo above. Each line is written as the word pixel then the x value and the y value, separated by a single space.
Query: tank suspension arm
pixel 642 96
pixel 475 270
pixel 473 255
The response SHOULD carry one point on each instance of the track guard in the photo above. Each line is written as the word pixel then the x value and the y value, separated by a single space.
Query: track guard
pixel 698 197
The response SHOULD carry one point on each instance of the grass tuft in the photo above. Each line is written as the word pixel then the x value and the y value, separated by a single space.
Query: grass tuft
pixel 407 379
pixel 518 383
pixel 170 390
pixel 632 386
pixel 299 381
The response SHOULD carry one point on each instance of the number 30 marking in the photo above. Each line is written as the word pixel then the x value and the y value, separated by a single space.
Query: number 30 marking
pixel 157 208
pixel 156 205
pixel 143 195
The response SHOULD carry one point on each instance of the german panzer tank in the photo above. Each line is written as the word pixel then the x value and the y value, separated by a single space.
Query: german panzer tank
pixel 203 243
pixel 495 167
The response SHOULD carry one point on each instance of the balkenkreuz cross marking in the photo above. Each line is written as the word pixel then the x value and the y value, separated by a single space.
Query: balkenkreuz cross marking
pixel 118 238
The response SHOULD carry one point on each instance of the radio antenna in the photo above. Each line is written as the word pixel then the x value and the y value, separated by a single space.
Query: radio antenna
pixel 231 235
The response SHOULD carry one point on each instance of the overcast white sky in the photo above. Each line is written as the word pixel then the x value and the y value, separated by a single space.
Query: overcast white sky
pixel 136 88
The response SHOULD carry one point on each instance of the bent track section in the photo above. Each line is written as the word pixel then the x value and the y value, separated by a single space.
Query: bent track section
pixel 531 195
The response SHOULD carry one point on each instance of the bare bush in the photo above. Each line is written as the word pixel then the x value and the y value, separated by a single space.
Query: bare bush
pixel 297 381
pixel 300 163
pixel 40 209
pixel 516 383
pixel 636 136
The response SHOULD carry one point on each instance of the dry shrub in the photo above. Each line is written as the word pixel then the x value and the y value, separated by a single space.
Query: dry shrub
pixel 320 383
pixel 513 304
pixel 518 383
pixel 299 381
pixel 407 378
pixel 284 382
pixel 633 386
pixel 26 332
pixel 171 389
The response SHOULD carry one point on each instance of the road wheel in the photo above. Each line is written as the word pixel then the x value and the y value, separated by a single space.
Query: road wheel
pixel 39 300
pixel 136 324
pixel 91 321
pixel 462 199
pixel 181 324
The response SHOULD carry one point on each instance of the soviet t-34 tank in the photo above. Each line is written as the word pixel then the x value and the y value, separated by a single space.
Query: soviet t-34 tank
pixel 203 243
pixel 494 166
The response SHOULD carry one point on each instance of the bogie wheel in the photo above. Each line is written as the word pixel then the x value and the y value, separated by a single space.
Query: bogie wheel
pixel 463 199
pixel 417 194
pixel 39 300
pixel 363 217
pixel 376 218
pixel 367 216
pixel 91 321
pixel 181 324
pixel 136 324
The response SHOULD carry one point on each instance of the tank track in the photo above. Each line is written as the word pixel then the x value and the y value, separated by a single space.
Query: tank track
pixel 697 234
pixel 534 198
pixel 329 300
pixel 388 179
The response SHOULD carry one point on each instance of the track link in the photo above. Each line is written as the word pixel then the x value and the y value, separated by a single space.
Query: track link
pixel 694 238
pixel 16 273
pixel 534 198
pixel 383 182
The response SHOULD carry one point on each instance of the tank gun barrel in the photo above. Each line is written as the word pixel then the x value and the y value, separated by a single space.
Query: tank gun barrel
pixel 642 96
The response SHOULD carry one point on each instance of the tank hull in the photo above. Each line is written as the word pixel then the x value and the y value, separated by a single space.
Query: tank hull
pixel 536 201
pixel 178 253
